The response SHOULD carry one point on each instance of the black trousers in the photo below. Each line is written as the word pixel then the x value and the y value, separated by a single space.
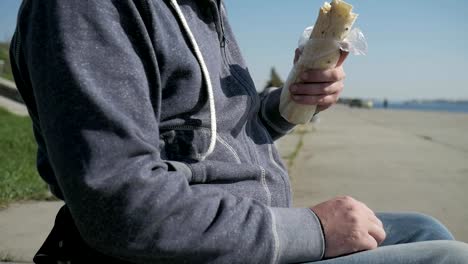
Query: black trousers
pixel 65 245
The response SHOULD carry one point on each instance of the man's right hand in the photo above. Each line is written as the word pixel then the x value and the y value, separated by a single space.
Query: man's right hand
pixel 349 226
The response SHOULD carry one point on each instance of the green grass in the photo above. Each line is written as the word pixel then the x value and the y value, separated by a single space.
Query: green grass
pixel 5 257
pixel 4 55
pixel 292 158
pixel 19 179
pixel 301 131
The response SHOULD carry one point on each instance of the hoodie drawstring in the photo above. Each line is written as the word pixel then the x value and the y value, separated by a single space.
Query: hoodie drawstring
pixel 206 74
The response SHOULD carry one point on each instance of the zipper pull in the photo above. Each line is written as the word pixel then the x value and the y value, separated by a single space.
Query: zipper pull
pixel 223 41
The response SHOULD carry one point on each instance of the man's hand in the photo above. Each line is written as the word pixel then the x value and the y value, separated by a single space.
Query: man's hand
pixel 349 226
pixel 319 87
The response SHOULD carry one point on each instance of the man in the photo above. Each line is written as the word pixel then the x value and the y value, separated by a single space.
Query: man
pixel 149 128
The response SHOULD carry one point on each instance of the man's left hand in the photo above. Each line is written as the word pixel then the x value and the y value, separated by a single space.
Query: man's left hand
pixel 319 87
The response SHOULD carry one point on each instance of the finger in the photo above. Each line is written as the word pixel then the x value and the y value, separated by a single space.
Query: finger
pixel 308 99
pixel 312 89
pixel 297 54
pixel 374 219
pixel 321 108
pixel 371 214
pixel 368 243
pixel 327 102
pixel 343 56
pixel 378 233
pixel 317 88
pixel 368 210
pixel 330 75
pixel 319 100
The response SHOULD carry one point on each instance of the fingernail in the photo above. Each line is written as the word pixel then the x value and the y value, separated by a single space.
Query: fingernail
pixel 304 76
pixel 293 88
pixel 296 98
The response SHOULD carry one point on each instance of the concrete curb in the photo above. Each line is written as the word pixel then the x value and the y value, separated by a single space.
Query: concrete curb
pixel 8 90
pixel 24 227
pixel 13 106
pixel 11 99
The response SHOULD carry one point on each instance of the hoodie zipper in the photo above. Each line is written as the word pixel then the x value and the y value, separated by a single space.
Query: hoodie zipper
pixel 219 21
pixel 223 45
pixel 17 37
pixel 215 5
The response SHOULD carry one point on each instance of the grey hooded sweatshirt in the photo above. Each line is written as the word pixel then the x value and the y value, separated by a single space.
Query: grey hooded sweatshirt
pixel 149 127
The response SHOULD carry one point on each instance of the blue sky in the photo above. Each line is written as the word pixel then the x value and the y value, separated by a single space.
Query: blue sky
pixel 417 49
pixel 8 11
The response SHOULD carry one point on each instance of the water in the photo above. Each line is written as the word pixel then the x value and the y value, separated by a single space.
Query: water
pixel 461 107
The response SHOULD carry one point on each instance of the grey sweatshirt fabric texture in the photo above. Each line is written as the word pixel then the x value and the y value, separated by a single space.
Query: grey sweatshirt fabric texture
pixel 121 113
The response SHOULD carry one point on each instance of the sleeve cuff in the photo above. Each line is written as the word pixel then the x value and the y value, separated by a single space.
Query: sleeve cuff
pixel 299 234
pixel 180 167
pixel 271 115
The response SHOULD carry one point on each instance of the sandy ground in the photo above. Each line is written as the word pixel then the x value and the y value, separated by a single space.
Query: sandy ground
pixel 390 160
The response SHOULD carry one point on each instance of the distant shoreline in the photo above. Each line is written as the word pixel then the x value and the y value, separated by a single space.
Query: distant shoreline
pixel 450 107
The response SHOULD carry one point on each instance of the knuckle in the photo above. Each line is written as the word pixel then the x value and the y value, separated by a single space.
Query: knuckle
pixel 316 100
pixel 330 89
pixel 335 75
pixel 325 100
pixel 346 203
pixel 342 74
pixel 326 88
pixel 341 201
pixel 360 240
pixel 351 207
pixel 382 238
pixel 355 236
pixel 359 237
pixel 381 224
pixel 383 233
pixel 341 86
pixel 367 243
pixel 348 199
pixel 353 219
pixel 372 245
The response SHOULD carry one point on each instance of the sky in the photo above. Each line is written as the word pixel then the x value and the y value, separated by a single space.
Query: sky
pixel 417 49
pixel 8 12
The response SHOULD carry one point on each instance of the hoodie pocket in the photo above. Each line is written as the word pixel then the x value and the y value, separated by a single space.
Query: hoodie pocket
pixel 242 180
pixel 189 144
pixel 186 145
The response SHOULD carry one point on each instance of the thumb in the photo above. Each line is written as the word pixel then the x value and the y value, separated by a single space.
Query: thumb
pixel 343 56
pixel 297 54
